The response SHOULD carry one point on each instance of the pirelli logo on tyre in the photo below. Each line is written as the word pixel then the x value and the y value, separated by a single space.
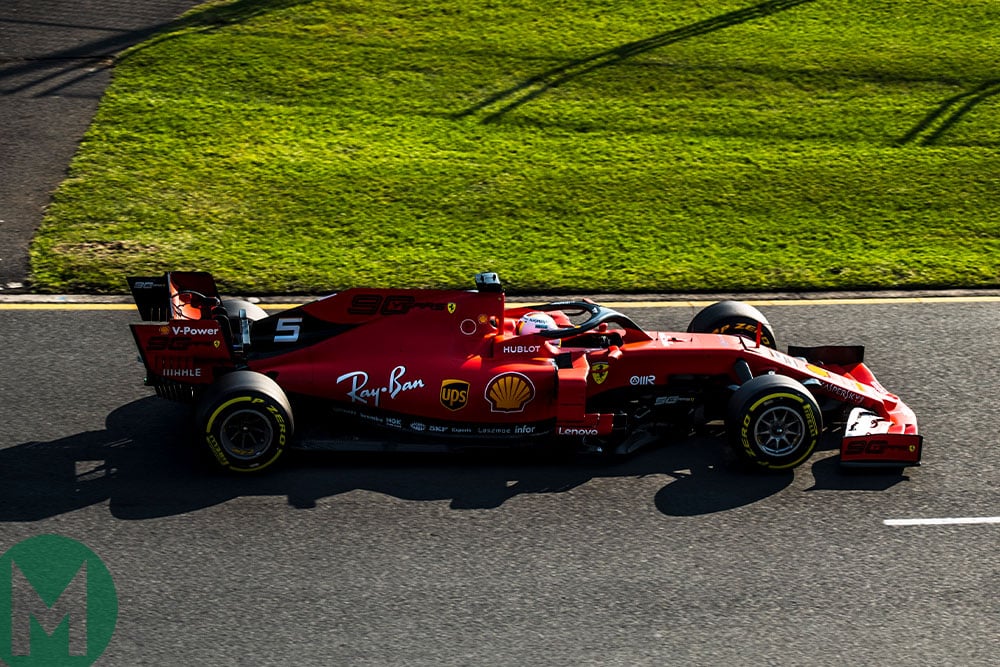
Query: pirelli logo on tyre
pixel 780 430
pixel 454 394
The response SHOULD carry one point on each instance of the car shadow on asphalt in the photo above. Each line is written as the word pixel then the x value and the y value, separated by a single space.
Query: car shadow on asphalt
pixel 143 465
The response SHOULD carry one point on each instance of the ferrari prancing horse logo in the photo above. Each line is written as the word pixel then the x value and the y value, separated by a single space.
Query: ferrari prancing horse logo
pixel 599 372
pixel 452 306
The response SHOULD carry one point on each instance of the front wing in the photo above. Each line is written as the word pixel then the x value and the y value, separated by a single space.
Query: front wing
pixel 874 441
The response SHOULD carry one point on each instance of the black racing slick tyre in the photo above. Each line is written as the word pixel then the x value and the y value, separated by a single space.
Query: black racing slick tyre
pixel 246 421
pixel 234 306
pixel 773 422
pixel 735 318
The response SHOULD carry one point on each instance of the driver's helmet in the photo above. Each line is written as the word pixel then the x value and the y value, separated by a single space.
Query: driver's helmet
pixel 534 322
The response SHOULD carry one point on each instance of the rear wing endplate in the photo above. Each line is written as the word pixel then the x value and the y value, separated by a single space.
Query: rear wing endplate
pixel 184 295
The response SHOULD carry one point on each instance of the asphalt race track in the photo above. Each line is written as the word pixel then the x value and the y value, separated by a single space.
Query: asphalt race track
pixel 669 558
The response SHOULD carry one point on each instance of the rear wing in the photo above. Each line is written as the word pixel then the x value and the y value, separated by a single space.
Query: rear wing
pixel 176 295
pixel 185 339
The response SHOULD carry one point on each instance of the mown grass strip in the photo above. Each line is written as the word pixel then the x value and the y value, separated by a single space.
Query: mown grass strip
pixel 307 146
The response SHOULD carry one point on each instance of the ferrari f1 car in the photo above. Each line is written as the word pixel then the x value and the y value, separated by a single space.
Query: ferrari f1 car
pixel 454 368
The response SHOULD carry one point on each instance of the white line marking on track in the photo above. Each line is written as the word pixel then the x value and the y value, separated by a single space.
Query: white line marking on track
pixel 944 521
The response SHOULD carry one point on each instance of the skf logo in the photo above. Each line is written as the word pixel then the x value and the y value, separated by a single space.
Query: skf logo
pixel 509 392
pixel 599 372
pixel 454 394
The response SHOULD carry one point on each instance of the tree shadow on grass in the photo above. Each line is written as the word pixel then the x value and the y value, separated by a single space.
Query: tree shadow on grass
pixel 144 467
pixel 52 69
pixel 534 86
pixel 941 119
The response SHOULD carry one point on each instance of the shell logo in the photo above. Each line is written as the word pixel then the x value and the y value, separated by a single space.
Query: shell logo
pixel 509 392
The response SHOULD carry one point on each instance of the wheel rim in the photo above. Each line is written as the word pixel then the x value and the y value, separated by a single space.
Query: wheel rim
pixel 779 431
pixel 246 434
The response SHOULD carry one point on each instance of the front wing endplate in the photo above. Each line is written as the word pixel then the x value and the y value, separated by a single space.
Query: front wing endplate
pixel 873 441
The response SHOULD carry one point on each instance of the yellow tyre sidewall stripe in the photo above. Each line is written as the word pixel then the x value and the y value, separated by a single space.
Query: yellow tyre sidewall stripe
pixel 811 423
pixel 216 448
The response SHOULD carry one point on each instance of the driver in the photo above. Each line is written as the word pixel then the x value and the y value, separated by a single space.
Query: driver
pixel 534 322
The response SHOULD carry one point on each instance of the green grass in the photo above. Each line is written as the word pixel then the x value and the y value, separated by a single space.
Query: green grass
pixel 660 145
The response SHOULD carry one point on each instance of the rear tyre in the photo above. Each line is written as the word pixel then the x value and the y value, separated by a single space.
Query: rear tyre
pixel 734 318
pixel 246 421
pixel 773 422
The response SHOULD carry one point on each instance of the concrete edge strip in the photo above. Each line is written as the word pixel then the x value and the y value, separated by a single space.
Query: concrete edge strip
pixel 72 303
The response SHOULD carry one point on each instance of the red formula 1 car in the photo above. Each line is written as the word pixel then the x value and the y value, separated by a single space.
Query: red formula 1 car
pixel 459 368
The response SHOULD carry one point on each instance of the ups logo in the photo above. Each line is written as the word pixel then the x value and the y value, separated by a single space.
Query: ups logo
pixel 454 394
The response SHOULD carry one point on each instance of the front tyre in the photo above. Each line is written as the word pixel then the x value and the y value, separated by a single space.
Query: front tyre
pixel 773 422
pixel 246 421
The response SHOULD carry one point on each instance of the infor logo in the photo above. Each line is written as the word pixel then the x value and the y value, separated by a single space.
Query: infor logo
pixel 58 604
